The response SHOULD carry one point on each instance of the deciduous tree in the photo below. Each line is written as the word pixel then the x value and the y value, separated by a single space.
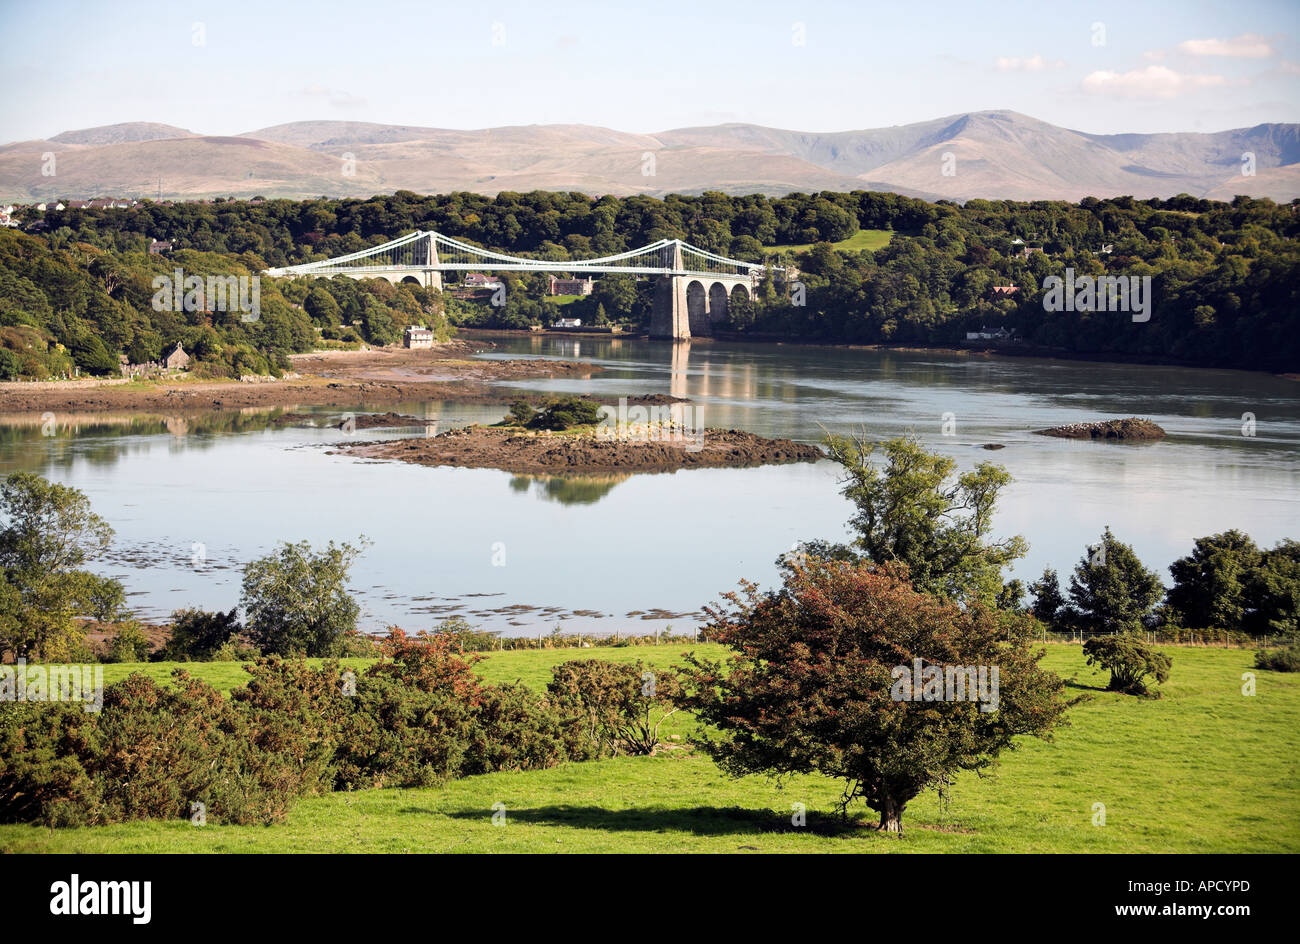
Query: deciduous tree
pixel 914 512
pixel 296 600
pixel 811 685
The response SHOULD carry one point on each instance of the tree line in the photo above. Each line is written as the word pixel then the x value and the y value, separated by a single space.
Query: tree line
pixel 1224 275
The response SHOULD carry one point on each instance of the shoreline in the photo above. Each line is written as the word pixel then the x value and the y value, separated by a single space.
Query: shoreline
pixel 394 374
pixel 322 378
pixel 1047 354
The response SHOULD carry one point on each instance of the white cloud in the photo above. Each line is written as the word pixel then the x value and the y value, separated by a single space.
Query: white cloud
pixel 337 98
pixel 1245 46
pixel 1034 63
pixel 1151 82
pixel 1291 68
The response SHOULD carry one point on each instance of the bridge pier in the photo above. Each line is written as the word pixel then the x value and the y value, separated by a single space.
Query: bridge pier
pixel 670 316
pixel 689 306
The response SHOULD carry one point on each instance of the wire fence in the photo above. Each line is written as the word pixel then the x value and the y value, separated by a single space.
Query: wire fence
pixel 1179 637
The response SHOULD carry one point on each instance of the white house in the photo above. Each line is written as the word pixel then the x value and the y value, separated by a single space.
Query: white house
pixel 990 334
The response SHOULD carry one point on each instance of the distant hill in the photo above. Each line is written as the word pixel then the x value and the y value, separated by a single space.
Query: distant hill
pixel 122 134
pixel 988 154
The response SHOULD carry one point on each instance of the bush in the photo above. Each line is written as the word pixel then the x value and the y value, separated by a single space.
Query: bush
pixel 42 779
pixel 563 413
pixel 295 713
pixel 515 730
pixel 355 644
pixel 237 650
pixel 521 413
pixel 128 644
pixel 198 635
pixel 1129 660
pixel 402 736
pixel 419 717
pixel 1285 659
pixel 610 708
pixel 151 753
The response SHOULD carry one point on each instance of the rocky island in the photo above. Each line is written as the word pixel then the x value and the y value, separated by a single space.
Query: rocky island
pixel 585 451
pixel 1133 428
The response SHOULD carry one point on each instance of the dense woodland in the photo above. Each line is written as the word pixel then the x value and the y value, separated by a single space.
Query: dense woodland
pixel 76 293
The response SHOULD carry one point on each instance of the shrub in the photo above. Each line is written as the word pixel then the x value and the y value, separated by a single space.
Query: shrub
pixel 419 717
pixel 128 644
pixel 515 729
pixel 1285 659
pixel 355 644
pixel 149 754
pixel 42 778
pixel 163 749
pixel 468 638
pixel 521 413
pixel 423 716
pixel 197 635
pixel 402 736
pixel 236 650
pixel 613 707
pixel 1129 660
pixel 295 713
pixel 564 413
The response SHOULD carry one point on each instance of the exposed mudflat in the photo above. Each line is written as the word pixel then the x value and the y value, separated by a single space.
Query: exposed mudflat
pixel 1133 428
pixel 329 378
pixel 481 447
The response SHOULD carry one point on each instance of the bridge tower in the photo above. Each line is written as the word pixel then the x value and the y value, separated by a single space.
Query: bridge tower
pixel 670 317
pixel 432 274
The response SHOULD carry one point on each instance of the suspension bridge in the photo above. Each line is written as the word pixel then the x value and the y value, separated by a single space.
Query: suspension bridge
pixel 694 288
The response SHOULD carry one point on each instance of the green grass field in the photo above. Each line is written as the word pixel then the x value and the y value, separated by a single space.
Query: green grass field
pixel 872 239
pixel 1203 769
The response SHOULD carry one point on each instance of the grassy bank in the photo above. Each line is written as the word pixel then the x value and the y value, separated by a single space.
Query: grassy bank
pixel 1203 769
pixel 872 239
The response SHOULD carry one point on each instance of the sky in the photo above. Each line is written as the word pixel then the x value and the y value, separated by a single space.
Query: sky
pixel 233 67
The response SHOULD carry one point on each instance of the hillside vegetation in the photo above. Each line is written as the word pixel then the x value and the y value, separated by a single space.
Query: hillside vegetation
pixel 1223 277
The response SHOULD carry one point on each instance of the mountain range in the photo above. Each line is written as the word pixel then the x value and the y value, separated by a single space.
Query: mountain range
pixel 985 154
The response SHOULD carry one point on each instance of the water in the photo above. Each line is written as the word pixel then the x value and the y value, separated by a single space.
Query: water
pixel 192 498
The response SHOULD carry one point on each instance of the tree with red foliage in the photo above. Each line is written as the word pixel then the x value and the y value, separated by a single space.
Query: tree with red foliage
pixel 814 684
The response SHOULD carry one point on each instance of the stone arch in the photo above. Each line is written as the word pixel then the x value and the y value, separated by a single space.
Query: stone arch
pixel 718 299
pixel 740 306
pixel 697 310
pixel 412 280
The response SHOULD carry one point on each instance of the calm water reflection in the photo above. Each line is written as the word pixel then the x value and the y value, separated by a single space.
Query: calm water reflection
pixel 236 483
